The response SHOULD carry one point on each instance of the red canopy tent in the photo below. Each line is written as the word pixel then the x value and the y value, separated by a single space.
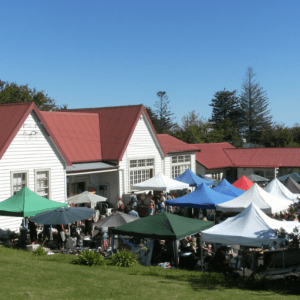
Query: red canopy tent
pixel 243 183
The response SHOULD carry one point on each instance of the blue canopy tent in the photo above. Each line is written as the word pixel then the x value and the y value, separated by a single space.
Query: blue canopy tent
pixel 192 179
pixel 203 197
pixel 226 188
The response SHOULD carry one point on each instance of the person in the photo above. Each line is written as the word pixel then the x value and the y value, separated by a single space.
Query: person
pixel 22 239
pixel 32 232
pixel 133 212
pixel 75 236
pixel 97 239
pixel 104 233
pixel 133 199
pixel 120 205
pixel 88 230
pixel 151 207
pixel 163 202
pixel 61 237
pixel 220 261
pixel 159 206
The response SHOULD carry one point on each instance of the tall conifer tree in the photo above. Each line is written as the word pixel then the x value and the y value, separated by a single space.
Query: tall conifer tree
pixel 254 106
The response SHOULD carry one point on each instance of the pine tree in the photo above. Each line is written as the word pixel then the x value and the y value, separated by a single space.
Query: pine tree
pixel 226 107
pixel 165 123
pixel 254 106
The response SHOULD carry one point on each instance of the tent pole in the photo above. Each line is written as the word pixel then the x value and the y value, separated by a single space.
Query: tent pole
pixel 201 254
pixel 283 263
pixel 112 244
pixel 176 253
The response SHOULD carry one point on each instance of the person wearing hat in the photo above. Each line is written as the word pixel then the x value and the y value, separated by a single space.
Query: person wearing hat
pixel 120 205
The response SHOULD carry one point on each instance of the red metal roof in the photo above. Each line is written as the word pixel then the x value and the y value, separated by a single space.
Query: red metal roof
pixel 264 157
pixel 116 127
pixel 77 133
pixel 171 144
pixel 243 183
pixel 212 155
pixel 12 117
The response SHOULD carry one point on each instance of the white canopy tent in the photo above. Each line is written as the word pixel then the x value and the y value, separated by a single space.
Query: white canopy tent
pixel 252 227
pixel 268 203
pixel 160 182
pixel 276 188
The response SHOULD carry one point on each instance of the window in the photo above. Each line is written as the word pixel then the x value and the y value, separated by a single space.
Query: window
pixel 140 170
pixel 267 173
pixel 180 164
pixel 216 176
pixel 42 183
pixel 19 179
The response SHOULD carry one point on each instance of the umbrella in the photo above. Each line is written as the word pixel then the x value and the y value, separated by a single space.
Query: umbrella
pixel 63 215
pixel 86 197
pixel 116 219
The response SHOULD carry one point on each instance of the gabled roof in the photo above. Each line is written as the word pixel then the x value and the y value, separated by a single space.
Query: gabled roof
pixel 212 155
pixel 117 125
pixel 12 117
pixel 264 157
pixel 77 133
pixel 171 144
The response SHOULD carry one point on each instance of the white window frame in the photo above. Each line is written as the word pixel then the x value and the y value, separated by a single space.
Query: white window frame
pixel 12 179
pixel 36 181
pixel 182 165
pixel 137 168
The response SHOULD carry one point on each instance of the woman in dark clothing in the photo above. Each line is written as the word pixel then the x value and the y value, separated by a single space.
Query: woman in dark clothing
pixel 61 238
pixel 32 232
pixel 88 230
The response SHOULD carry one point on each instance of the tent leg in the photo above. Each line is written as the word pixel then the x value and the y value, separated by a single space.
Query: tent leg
pixel 283 264
pixel 112 244
pixel 201 255
pixel 175 253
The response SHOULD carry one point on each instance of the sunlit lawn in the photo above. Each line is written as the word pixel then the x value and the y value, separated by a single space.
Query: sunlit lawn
pixel 24 276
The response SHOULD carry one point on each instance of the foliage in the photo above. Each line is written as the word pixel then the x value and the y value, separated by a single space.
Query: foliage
pixel 153 117
pixel 13 93
pixel 279 136
pixel 164 122
pixel 124 258
pixel 193 130
pixel 226 107
pixel 89 258
pixel 39 251
pixel 254 106
pixel 292 240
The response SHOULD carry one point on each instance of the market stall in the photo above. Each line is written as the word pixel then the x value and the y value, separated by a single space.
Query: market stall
pixel 226 188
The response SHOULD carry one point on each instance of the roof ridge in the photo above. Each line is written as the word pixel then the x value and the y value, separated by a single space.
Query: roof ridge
pixel 69 112
pixel 105 107
pixel 17 103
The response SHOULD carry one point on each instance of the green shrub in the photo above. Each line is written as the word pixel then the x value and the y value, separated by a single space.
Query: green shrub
pixel 124 258
pixel 39 251
pixel 89 258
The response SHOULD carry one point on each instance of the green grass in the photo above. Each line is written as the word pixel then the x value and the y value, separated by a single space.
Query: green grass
pixel 25 276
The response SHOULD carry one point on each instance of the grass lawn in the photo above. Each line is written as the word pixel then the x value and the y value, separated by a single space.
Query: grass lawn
pixel 25 276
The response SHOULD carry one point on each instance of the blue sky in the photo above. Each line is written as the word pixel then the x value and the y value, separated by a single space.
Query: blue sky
pixel 109 53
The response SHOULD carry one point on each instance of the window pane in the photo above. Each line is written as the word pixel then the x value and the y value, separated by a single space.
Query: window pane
pixel 174 159
pixel 141 163
pixel 187 158
pixel 180 158
pixel 133 164
pixel 150 162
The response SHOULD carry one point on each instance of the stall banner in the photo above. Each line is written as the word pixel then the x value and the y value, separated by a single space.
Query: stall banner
pixel 144 257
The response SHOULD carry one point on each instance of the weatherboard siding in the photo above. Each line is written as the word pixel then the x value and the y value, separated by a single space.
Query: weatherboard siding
pixel 142 145
pixel 30 153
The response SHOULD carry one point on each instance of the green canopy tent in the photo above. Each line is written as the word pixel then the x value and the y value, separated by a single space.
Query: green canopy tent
pixel 26 203
pixel 163 226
